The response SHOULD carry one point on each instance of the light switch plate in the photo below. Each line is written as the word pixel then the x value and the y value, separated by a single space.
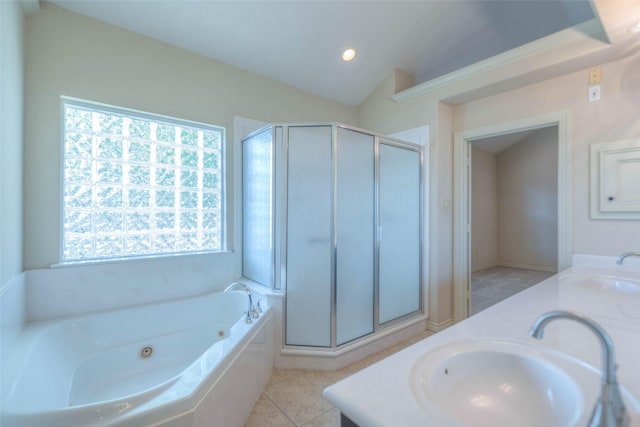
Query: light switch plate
pixel 595 75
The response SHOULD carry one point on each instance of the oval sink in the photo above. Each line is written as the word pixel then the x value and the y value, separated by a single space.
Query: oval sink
pixel 495 383
pixel 603 283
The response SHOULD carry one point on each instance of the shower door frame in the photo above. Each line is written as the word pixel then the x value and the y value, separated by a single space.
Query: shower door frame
pixel 282 207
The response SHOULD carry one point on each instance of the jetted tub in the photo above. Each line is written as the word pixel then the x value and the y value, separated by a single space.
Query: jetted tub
pixel 188 362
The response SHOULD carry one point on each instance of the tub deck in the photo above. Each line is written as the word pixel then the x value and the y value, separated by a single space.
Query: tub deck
pixel 147 362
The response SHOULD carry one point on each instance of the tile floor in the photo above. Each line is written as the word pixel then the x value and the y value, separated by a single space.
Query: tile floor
pixel 492 285
pixel 293 397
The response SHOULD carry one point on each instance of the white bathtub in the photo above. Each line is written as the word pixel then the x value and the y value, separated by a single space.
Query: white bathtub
pixel 207 366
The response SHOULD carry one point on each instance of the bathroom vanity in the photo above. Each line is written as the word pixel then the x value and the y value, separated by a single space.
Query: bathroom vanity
pixel 488 370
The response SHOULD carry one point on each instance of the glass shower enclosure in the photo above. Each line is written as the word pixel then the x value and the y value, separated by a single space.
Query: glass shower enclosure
pixel 332 217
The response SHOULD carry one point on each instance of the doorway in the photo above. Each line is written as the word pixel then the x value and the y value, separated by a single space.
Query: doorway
pixel 514 214
pixel 464 252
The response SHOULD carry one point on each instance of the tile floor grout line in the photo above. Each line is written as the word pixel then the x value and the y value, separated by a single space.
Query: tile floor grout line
pixel 322 373
pixel 280 409
pixel 318 372
pixel 285 412
pixel 322 414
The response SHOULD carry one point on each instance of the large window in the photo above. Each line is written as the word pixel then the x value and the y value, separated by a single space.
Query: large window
pixel 136 184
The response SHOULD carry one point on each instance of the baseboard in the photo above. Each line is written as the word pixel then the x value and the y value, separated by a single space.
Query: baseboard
pixel 294 357
pixel 527 266
pixel 437 327
pixel 485 266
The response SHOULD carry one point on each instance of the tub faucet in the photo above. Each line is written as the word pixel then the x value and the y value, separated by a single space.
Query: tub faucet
pixel 626 254
pixel 609 410
pixel 252 312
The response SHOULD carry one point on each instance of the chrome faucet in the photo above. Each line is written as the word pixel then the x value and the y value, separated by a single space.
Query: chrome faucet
pixel 252 312
pixel 626 254
pixel 609 410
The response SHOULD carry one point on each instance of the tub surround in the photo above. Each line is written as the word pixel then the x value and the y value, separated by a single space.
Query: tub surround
pixel 207 365
pixel 88 288
pixel 381 394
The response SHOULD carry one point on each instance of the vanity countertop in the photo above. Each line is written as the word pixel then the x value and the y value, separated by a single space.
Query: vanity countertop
pixel 381 395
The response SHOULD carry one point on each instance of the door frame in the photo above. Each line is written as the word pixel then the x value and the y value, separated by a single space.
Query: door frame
pixel 462 197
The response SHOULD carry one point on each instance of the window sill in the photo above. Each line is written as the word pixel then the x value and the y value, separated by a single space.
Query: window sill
pixel 142 258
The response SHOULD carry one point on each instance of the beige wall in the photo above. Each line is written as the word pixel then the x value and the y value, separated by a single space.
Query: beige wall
pixel 69 54
pixel 11 108
pixel 527 181
pixel 612 118
pixel 484 209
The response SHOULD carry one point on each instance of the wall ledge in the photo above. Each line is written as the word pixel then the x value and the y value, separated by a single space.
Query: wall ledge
pixel 508 65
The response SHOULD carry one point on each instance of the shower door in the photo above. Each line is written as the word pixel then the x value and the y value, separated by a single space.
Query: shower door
pixel 399 289
pixel 354 231
pixel 333 215
pixel 330 235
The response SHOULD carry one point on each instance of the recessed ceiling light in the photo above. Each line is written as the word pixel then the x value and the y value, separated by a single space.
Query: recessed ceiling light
pixel 635 28
pixel 348 55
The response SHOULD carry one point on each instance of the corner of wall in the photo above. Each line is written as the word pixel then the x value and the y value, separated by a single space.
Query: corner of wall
pixel 402 80
pixel 11 129
pixel 12 314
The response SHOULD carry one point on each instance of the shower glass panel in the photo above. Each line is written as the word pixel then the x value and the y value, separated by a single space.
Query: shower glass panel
pixel 257 208
pixel 354 227
pixel 309 236
pixel 332 217
pixel 399 233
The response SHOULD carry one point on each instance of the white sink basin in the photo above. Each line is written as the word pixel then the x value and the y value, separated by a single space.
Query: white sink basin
pixel 603 283
pixel 495 383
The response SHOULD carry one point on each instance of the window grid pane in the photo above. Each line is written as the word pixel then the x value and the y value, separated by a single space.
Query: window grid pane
pixel 137 185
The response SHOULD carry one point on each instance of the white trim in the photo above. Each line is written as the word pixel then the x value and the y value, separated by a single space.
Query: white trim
pixel 527 266
pixel 514 265
pixel 437 327
pixel 127 259
pixel 461 265
pixel 91 106
pixel 596 178
pixel 344 349
pixel 332 359
pixel 121 111
pixel 485 266
pixel 504 59
pixel 418 135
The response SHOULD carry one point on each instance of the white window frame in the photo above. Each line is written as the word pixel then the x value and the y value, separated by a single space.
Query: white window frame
pixel 121 111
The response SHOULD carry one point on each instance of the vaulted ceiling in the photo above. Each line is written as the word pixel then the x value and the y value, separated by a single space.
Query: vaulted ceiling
pixel 300 42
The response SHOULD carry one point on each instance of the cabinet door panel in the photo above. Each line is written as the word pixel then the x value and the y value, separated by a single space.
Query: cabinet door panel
pixel 309 243
pixel 399 256
pixel 354 235
pixel 620 180
pixel 615 173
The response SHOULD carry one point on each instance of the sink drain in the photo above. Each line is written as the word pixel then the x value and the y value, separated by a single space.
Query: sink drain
pixel 146 352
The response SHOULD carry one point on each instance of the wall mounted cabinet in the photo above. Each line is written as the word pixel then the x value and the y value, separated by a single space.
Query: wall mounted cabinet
pixel 615 180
